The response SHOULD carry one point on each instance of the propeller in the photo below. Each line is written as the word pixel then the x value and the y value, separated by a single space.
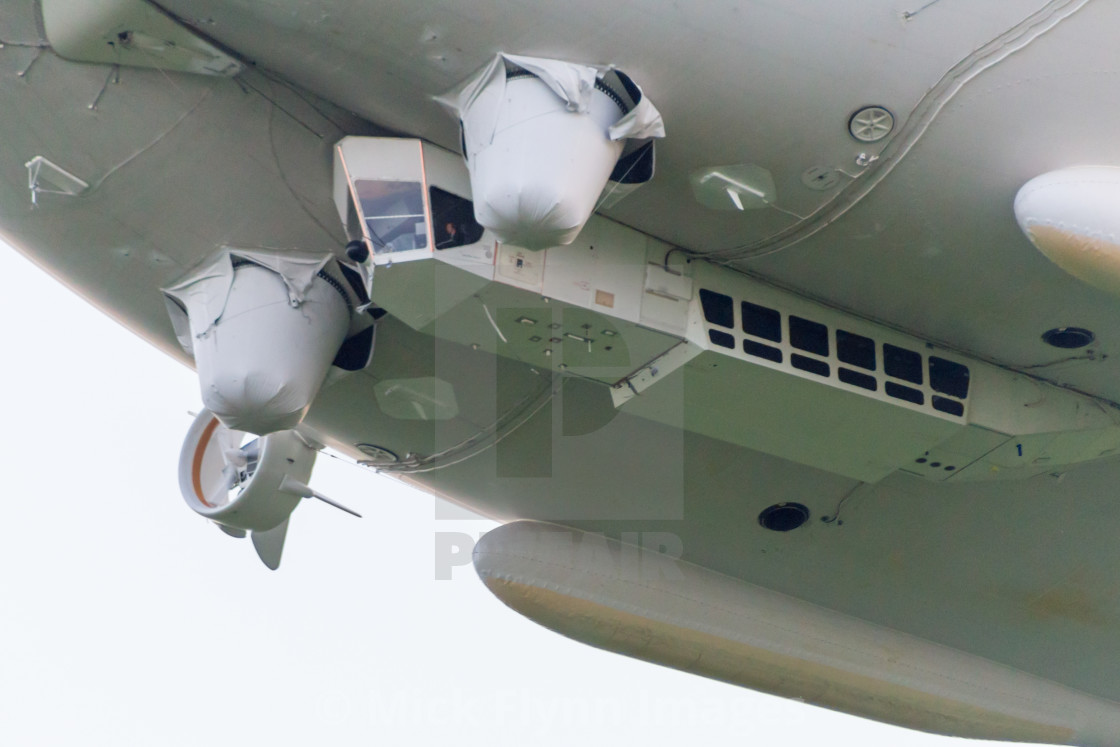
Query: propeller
pixel 248 489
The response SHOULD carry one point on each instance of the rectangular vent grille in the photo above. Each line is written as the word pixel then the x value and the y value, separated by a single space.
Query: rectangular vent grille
pixel 840 357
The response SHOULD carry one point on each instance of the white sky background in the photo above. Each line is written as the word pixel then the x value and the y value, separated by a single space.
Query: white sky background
pixel 125 619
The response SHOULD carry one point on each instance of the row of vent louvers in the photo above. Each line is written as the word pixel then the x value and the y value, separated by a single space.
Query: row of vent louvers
pixel 854 357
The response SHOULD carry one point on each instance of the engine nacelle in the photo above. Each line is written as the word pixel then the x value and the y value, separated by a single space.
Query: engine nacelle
pixel 239 486
pixel 541 139
pixel 264 328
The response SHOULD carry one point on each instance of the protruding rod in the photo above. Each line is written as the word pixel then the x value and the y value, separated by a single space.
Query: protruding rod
pixel 339 506
pixel 295 487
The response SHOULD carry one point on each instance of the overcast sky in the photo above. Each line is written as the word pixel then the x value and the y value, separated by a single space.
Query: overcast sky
pixel 128 620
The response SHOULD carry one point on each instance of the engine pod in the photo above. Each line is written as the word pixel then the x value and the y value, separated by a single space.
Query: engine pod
pixel 264 328
pixel 541 138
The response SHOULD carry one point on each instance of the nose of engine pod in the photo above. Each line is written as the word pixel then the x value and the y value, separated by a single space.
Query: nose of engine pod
pixel 253 401
pixel 1073 217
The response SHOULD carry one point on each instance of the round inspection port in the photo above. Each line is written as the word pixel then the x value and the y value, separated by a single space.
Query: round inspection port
pixel 1068 338
pixel 783 517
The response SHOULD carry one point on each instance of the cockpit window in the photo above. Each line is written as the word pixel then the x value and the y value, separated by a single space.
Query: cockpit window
pixel 453 220
pixel 394 214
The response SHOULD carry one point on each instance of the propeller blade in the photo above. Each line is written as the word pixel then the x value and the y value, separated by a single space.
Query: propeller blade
pixel 226 439
pixel 270 544
pixel 229 443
